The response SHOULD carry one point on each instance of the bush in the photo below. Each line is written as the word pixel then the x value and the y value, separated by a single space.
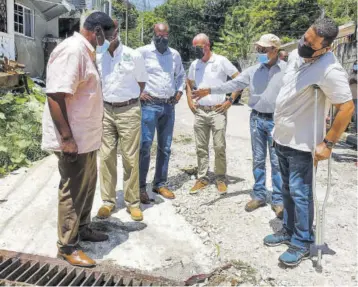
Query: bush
pixel 20 128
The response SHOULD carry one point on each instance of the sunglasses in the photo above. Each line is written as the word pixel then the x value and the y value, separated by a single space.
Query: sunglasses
pixel 263 50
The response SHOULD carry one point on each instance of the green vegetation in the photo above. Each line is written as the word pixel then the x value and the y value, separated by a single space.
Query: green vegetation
pixel 233 25
pixel 20 129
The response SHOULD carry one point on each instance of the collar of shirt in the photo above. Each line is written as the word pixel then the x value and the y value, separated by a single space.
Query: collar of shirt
pixel 87 44
pixel 278 63
pixel 118 50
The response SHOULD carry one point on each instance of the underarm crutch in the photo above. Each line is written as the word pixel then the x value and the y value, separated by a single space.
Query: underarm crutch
pixel 319 247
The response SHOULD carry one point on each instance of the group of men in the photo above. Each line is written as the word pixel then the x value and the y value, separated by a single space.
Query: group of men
pixel 103 95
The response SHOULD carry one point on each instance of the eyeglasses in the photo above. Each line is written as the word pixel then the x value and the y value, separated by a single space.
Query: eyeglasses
pixel 263 50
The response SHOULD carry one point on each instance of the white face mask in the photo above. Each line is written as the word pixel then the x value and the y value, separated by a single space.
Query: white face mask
pixel 102 49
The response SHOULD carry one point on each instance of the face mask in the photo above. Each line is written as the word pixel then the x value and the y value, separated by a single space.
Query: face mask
pixel 199 52
pixel 262 58
pixel 102 49
pixel 355 67
pixel 305 51
pixel 161 43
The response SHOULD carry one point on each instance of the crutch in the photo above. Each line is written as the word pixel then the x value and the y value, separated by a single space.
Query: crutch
pixel 319 246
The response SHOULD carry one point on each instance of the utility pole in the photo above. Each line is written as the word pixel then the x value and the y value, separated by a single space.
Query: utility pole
pixel 127 3
pixel 144 9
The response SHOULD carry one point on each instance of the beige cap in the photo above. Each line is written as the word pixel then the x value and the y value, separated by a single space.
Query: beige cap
pixel 269 40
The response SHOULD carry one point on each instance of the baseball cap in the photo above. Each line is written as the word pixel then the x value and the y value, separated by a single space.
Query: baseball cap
pixel 269 40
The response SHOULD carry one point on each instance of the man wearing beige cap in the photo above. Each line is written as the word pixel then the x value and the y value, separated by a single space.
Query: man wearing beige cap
pixel 264 81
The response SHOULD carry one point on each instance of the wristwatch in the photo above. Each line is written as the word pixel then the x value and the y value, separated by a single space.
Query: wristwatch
pixel 328 143
pixel 230 99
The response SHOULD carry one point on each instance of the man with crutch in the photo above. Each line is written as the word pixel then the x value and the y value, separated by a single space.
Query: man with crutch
pixel 312 68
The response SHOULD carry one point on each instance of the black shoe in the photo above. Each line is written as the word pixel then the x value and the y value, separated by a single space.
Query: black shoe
pixel 88 234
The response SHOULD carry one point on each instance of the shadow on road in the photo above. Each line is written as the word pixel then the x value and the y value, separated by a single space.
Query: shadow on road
pixel 228 195
pixel 117 231
pixel 341 157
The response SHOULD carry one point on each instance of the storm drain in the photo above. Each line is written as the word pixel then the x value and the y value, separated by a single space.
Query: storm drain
pixel 25 269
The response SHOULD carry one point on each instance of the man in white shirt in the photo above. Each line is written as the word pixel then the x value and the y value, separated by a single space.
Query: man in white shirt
pixel 311 64
pixel 123 77
pixel 210 112
pixel 166 78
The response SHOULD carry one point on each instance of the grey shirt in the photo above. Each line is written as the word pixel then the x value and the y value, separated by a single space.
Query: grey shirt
pixel 264 85
pixel 294 114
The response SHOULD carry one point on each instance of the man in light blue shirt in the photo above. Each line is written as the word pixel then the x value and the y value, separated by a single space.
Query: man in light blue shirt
pixel 163 90
pixel 264 81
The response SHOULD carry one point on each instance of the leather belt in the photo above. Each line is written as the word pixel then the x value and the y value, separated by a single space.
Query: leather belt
pixel 122 104
pixel 155 100
pixel 263 115
pixel 207 108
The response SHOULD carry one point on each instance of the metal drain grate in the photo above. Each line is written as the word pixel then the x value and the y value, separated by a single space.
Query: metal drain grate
pixel 24 269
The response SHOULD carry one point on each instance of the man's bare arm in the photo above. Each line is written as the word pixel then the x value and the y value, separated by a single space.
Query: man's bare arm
pixel 189 87
pixel 341 121
pixel 343 117
pixel 142 86
pixel 57 106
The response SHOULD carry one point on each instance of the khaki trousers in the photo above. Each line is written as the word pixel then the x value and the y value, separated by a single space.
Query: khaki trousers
pixel 121 126
pixel 206 122
pixel 75 196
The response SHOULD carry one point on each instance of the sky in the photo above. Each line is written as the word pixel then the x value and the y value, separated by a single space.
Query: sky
pixel 152 3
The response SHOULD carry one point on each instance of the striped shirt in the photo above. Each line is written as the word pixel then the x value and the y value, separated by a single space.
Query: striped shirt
pixel 166 74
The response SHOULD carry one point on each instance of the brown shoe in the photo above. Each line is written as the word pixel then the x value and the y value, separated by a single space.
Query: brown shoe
pixel 105 211
pixel 254 204
pixel 77 258
pixel 200 184
pixel 88 234
pixel 165 192
pixel 136 213
pixel 278 209
pixel 144 197
pixel 222 188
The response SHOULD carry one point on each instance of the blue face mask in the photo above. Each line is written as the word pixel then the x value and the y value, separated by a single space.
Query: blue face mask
pixel 102 49
pixel 355 67
pixel 262 58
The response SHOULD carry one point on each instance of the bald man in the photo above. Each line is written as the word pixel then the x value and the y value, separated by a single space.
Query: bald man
pixel 283 55
pixel 164 88
pixel 211 111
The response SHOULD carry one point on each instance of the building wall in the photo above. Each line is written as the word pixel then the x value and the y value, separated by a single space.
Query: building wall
pixel 30 50
pixel 7 41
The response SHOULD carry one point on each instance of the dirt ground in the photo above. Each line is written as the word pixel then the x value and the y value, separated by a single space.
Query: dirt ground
pixel 193 234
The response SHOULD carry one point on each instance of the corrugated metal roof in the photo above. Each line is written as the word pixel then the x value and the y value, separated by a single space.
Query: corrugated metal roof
pixel 53 8
pixel 79 4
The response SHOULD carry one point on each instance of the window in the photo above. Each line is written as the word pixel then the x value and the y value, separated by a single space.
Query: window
pixel 24 21
pixel 3 16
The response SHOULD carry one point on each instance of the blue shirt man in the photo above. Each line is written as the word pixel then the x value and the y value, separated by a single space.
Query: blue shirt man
pixel 264 81
pixel 166 78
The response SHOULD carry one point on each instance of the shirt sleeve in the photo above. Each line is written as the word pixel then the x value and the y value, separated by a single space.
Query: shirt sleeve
pixel 239 83
pixel 140 71
pixel 180 74
pixel 335 86
pixel 229 68
pixel 191 75
pixel 64 71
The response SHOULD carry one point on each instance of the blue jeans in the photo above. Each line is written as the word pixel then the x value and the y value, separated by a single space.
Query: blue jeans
pixel 158 117
pixel 261 138
pixel 296 169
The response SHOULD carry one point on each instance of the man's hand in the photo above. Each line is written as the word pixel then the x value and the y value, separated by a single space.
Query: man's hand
pixel 69 149
pixel 322 153
pixel 224 107
pixel 145 97
pixel 178 96
pixel 192 107
pixel 201 93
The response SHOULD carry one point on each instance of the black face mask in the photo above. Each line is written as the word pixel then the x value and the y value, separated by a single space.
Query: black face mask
pixel 161 43
pixel 199 52
pixel 305 51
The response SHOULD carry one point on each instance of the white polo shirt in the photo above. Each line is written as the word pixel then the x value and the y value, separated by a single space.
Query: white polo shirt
pixel 211 73
pixel 294 113
pixel 121 73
